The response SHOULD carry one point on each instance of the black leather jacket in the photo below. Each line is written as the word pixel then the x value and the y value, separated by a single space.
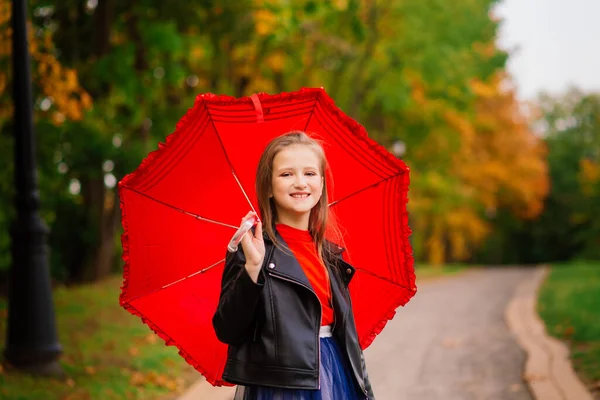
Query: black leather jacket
pixel 272 326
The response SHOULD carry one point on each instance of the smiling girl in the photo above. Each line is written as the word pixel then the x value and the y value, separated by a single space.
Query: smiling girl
pixel 284 308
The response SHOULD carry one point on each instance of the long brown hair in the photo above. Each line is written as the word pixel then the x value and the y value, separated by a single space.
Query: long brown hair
pixel 319 214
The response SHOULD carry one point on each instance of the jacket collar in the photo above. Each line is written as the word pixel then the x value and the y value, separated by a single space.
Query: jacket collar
pixel 333 248
pixel 284 262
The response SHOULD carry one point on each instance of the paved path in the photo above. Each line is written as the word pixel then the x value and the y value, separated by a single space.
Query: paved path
pixel 450 342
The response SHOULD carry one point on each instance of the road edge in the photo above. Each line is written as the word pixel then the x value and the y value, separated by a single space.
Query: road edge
pixel 548 370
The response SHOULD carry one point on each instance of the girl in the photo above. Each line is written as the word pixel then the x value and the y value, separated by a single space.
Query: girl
pixel 284 308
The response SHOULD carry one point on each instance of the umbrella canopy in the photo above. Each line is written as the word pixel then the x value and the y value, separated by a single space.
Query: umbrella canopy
pixel 184 202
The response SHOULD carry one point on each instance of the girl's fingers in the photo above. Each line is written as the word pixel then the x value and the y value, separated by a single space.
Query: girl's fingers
pixel 247 240
pixel 258 231
pixel 248 216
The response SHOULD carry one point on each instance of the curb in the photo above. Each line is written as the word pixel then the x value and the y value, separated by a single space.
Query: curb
pixel 203 390
pixel 548 370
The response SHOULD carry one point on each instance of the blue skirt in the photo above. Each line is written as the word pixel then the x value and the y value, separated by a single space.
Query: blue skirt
pixel 336 381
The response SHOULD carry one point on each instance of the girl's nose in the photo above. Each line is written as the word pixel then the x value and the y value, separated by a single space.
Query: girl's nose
pixel 300 182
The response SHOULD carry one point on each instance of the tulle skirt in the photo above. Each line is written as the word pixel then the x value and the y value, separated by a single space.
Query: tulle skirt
pixel 336 381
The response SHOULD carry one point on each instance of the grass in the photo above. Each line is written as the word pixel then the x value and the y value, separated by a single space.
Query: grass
pixel 569 304
pixel 108 353
pixel 427 272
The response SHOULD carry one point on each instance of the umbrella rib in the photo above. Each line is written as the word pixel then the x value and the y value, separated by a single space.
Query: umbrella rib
pixel 212 221
pixel 382 278
pixel 241 188
pixel 367 158
pixel 177 281
pixel 314 108
pixel 229 162
pixel 365 188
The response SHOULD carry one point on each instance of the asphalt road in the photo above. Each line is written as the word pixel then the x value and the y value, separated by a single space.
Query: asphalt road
pixel 451 342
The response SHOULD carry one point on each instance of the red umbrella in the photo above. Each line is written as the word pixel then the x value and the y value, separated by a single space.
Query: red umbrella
pixel 184 202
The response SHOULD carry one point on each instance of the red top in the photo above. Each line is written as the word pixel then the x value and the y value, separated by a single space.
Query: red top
pixel 301 244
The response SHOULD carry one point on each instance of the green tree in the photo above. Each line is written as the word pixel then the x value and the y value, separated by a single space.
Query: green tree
pixel 572 219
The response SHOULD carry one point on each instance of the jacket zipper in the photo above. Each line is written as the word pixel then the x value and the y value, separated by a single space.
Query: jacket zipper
pixel 319 323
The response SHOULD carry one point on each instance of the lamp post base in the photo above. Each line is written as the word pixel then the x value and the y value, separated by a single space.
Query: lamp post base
pixel 50 369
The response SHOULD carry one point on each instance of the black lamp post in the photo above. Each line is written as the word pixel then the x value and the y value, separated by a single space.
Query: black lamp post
pixel 31 341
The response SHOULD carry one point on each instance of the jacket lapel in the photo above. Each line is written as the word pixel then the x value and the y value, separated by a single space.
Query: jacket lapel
pixel 284 263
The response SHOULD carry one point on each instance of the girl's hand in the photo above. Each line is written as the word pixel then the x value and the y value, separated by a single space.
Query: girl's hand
pixel 254 249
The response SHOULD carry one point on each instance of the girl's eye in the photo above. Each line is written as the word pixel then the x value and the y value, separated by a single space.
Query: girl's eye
pixel 311 173
pixel 286 174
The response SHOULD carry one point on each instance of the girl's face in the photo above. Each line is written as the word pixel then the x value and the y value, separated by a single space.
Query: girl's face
pixel 297 184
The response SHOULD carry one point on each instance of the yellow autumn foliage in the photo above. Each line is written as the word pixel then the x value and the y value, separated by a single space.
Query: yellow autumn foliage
pixel 589 177
pixel 276 61
pixel 265 22
pixel 496 162
pixel 54 81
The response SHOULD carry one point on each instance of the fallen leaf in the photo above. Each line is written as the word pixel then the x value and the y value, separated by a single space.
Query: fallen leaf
pixel 152 377
pixel 162 380
pixel 137 379
pixel 133 351
pixel 534 377
pixel 70 382
pixel 151 338
pixel 90 370
pixel 171 385
pixel 569 331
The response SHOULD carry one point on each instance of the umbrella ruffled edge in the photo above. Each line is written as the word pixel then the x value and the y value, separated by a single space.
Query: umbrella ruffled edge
pixel 132 310
pixel 406 294
pixel 320 94
pixel 361 133
pixel 353 126
pixel 144 168
pixel 147 164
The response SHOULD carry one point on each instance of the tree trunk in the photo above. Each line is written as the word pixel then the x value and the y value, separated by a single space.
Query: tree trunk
pixel 103 17
pixel 102 214
pixel 105 253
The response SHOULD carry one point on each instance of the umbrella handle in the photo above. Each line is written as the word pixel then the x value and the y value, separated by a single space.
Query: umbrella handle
pixel 237 236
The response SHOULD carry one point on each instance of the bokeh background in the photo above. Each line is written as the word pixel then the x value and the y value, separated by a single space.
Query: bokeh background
pixel 494 105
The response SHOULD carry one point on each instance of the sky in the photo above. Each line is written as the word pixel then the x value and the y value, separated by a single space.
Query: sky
pixel 553 44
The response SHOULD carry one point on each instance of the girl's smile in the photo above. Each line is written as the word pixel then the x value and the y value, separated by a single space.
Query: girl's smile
pixel 300 195
pixel 297 184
